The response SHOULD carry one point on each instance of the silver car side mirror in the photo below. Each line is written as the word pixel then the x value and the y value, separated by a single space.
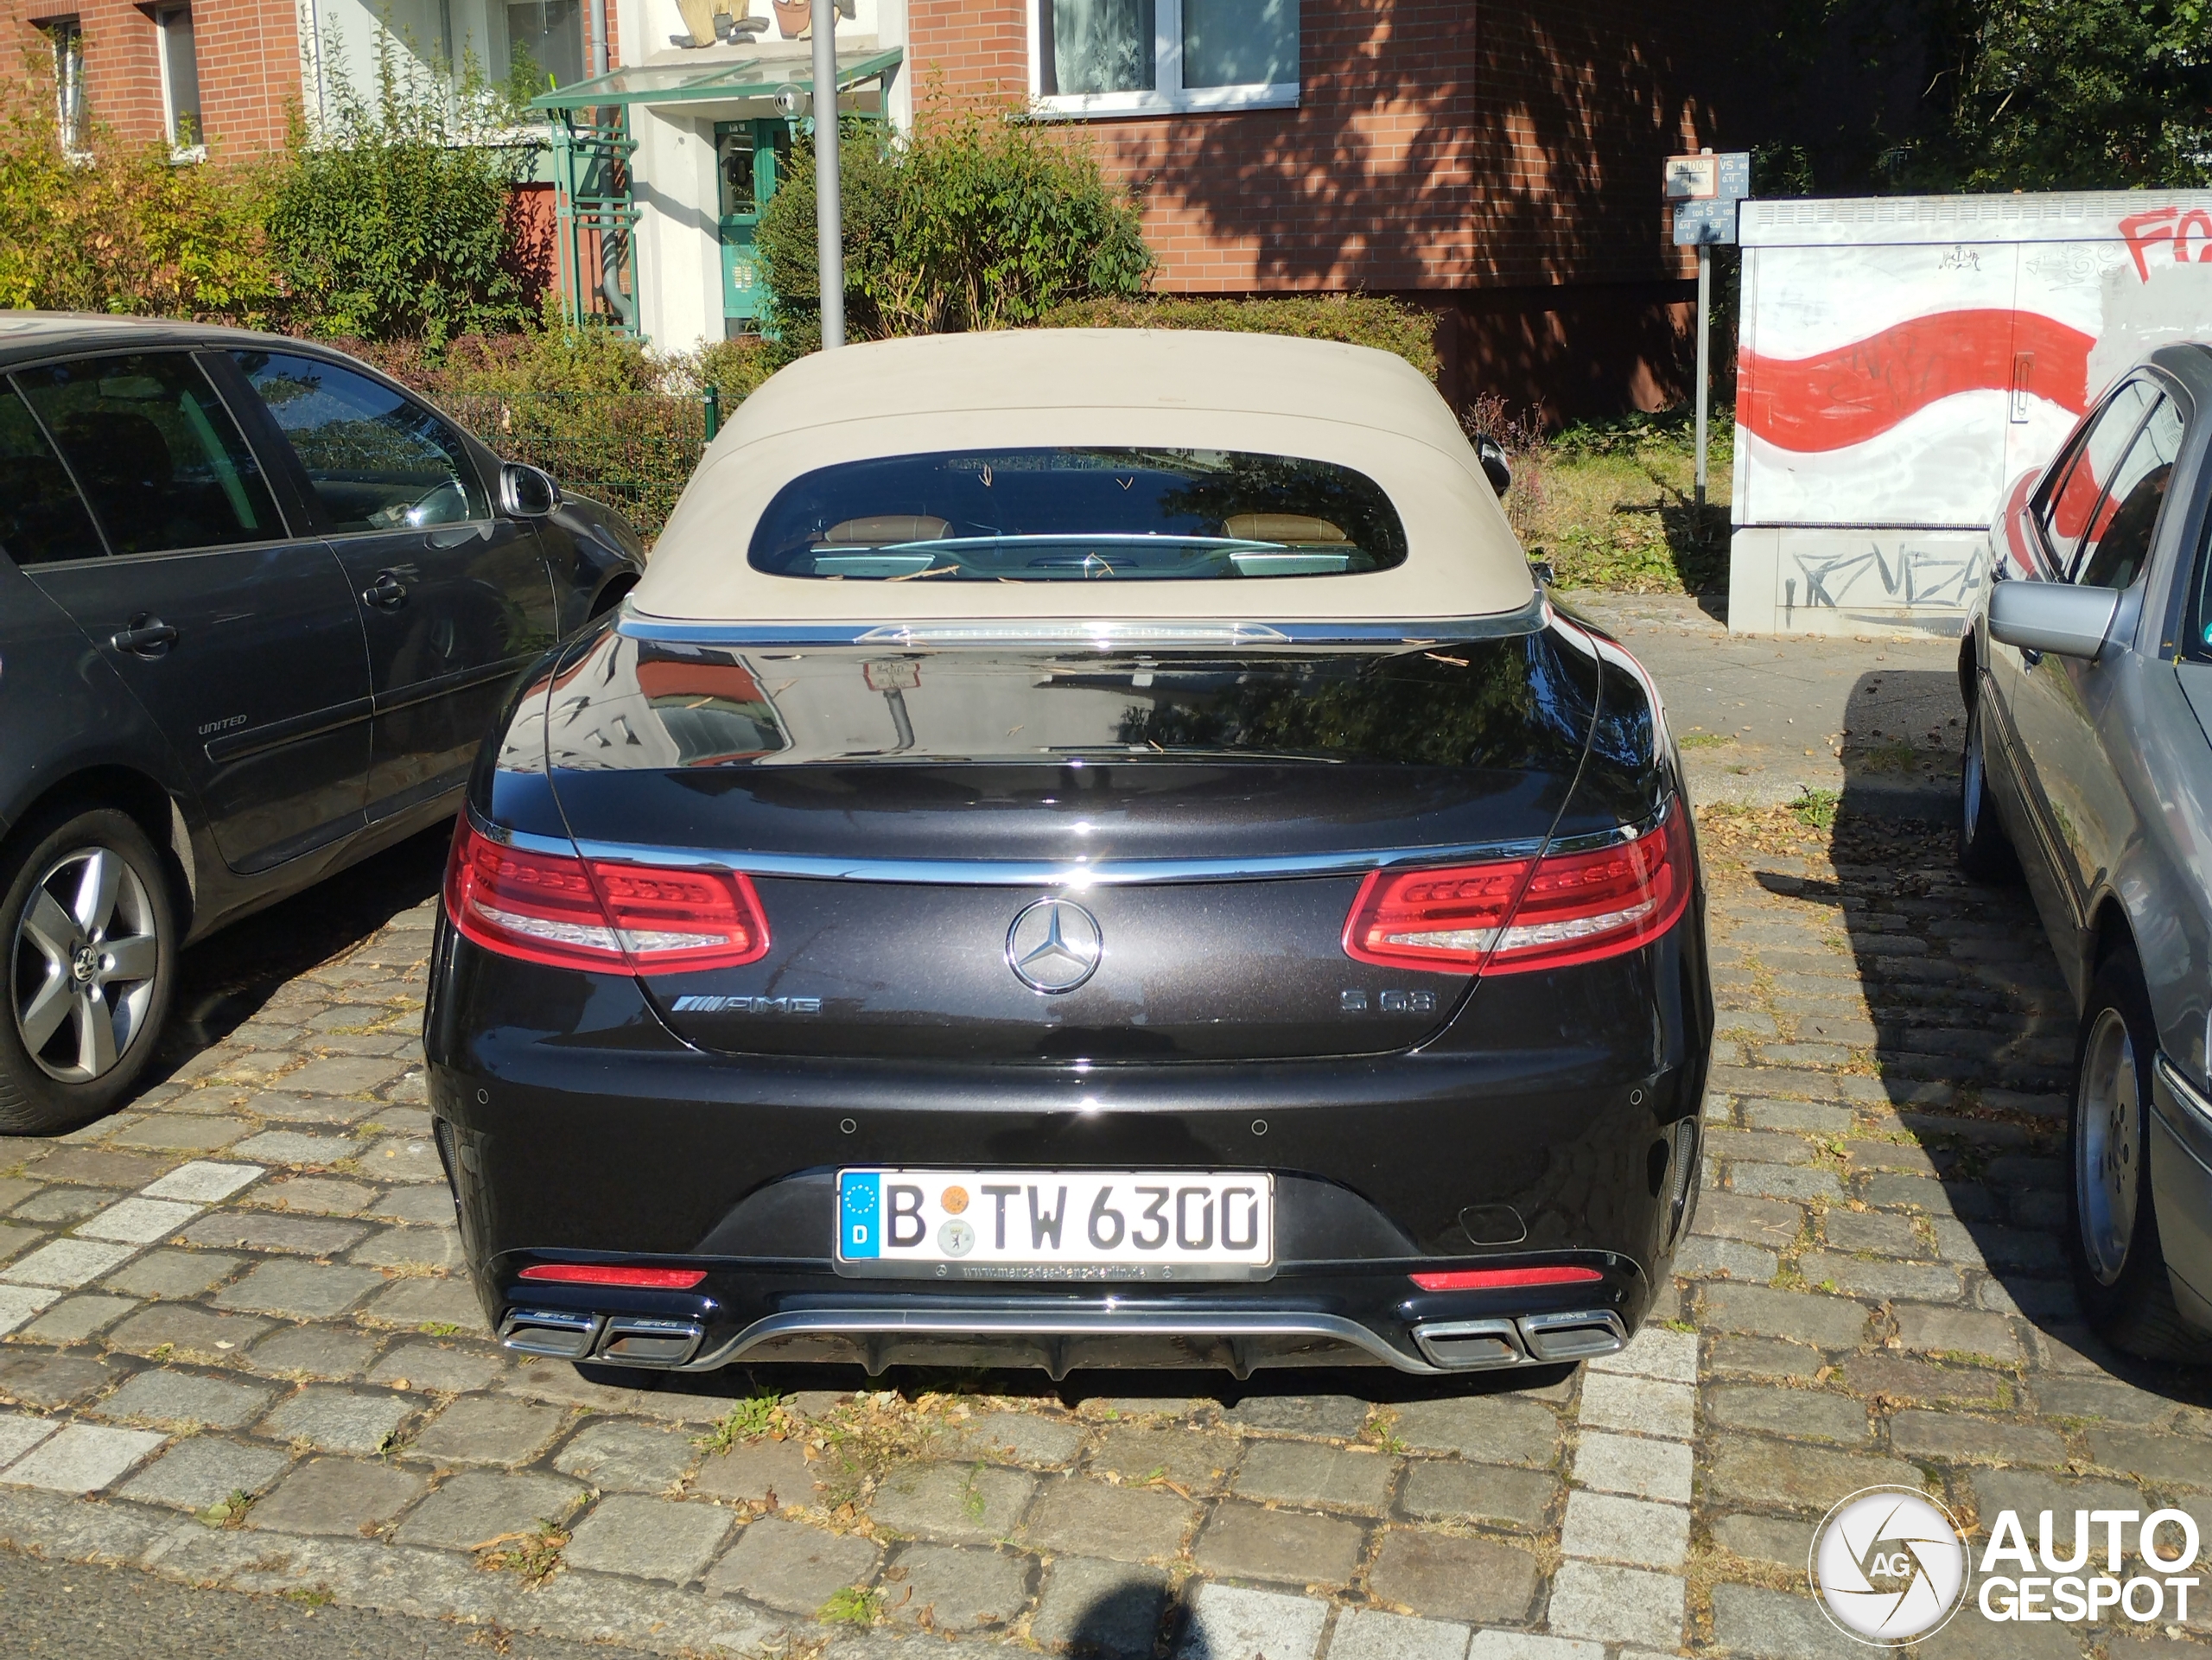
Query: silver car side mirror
pixel 527 492
pixel 2052 617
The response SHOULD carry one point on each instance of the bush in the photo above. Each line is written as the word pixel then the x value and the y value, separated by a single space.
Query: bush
pixel 1356 319
pixel 127 230
pixel 977 222
pixel 733 368
pixel 397 220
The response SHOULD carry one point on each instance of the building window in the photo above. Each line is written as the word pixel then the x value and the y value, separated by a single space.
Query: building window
pixel 179 78
pixel 1132 57
pixel 545 37
pixel 67 37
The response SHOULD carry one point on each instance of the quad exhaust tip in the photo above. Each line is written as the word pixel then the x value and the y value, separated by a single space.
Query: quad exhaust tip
pixel 1540 1339
pixel 627 1339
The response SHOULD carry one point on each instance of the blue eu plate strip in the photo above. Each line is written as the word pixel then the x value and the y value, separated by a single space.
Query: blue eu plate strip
pixel 860 1211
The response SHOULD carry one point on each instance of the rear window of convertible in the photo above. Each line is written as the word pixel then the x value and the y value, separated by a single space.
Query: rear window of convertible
pixel 1043 515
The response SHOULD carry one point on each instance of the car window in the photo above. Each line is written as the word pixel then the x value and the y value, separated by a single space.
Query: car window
pixel 2119 540
pixel 158 456
pixel 1062 514
pixel 42 516
pixel 2072 496
pixel 376 460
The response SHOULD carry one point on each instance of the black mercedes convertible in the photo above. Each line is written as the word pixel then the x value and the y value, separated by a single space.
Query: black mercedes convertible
pixel 1085 848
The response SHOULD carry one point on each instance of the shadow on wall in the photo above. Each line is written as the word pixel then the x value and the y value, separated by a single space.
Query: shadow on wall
pixel 1494 152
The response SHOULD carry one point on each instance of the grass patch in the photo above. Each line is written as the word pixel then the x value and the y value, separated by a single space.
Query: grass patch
pixel 864 1440
pixel 534 1554
pixel 1894 756
pixel 1704 740
pixel 1611 504
pixel 1815 809
pixel 228 1513
pixel 756 1417
pixel 851 1607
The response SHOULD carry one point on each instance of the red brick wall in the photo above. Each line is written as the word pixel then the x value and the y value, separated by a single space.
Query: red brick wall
pixel 248 52
pixel 248 71
pixel 1497 162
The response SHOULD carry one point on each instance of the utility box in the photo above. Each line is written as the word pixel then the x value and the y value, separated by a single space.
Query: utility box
pixel 1902 359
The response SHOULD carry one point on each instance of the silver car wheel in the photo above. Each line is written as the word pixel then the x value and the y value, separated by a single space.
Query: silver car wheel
pixel 85 955
pixel 1970 778
pixel 2107 1146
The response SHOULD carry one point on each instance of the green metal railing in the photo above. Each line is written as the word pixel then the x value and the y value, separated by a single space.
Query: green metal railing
pixel 635 451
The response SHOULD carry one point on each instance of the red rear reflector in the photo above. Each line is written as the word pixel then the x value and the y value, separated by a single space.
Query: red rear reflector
pixel 654 1279
pixel 1501 1279
pixel 1517 915
pixel 573 913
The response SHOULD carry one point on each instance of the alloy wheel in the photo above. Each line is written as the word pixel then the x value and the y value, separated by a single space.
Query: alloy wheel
pixel 2107 1146
pixel 85 955
pixel 1970 778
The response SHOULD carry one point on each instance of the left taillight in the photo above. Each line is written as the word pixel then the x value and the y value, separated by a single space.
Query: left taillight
pixel 1515 916
pixel 572 913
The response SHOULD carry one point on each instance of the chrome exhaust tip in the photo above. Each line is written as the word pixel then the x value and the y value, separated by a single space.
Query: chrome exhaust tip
pixel 636 1341
pixel 1554 1338
pixel 1471 1344
pixel 560 1332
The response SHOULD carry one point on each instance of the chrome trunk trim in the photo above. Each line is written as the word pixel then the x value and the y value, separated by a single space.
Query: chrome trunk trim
pixel 1014 873
pixel 1101 634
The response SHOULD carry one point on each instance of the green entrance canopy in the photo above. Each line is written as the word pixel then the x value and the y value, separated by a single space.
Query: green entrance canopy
pixel 755 75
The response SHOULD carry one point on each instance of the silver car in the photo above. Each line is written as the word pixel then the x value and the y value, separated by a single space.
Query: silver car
pixel 2086 670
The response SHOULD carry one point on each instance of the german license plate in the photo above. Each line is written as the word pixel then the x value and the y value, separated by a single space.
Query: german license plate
pixel 1055 1224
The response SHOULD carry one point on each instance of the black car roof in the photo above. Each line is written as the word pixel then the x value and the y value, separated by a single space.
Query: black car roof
pixel 26 335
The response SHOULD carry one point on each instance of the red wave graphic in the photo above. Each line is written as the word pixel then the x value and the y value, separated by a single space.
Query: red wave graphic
pixel 1845 396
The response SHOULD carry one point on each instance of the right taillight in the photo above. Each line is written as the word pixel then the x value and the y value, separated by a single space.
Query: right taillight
pixel 570 913
pixel 1513 916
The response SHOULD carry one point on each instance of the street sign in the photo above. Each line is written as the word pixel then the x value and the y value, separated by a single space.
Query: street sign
pixel 1692 178
pixel 1705 223
pixel 1704 190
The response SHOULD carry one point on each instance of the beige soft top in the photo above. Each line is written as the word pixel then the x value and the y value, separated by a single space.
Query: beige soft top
pixel 1316 400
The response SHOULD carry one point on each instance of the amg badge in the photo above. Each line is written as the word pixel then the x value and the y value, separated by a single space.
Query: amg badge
pixel 748 1005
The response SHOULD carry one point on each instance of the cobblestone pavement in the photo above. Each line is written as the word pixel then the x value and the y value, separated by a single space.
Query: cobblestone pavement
pixel 237 1354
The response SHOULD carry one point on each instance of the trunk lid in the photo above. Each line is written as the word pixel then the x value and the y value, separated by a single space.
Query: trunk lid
pixel 903 815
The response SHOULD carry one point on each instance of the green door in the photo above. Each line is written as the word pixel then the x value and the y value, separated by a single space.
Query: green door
pixel 752 155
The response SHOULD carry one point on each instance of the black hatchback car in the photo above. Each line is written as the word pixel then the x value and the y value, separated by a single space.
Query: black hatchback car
pixel 1085 848
pixel 259 606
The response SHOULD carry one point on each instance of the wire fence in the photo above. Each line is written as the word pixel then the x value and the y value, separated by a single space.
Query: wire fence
pixel 635 451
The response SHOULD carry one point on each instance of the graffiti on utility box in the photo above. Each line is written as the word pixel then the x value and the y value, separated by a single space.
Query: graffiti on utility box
pixel 1902 359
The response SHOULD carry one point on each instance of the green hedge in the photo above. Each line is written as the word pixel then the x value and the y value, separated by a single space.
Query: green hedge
pixel 1356 319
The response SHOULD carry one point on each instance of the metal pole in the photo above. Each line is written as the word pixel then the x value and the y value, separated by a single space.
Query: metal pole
pixel 829 211
pixel 1704 366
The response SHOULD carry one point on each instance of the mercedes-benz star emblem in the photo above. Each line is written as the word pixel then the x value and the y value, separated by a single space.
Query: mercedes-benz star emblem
pixel 1054 946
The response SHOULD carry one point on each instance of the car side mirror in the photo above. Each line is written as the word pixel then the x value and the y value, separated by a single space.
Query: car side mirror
pixel 1496 468
pixel 527 492
pixel 2052 617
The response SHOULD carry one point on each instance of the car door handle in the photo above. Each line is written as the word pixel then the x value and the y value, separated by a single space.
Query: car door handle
pixel 387 593
pixel 147 636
